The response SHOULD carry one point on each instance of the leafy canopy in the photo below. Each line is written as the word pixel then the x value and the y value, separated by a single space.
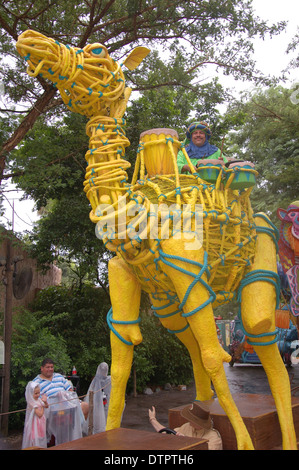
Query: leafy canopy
pixel 265 130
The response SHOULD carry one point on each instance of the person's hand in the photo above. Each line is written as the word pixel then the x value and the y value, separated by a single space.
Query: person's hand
pixel 186 168
pixel 44 399
pixel 152 413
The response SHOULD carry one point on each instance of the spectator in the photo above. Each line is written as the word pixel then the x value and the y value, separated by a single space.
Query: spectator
pixel 65 419
pixel 199 425
pixel 101 387
pixel 49 381
pixel 35 422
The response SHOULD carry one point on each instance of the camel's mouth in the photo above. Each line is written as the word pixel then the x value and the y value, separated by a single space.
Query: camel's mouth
pixel 39 52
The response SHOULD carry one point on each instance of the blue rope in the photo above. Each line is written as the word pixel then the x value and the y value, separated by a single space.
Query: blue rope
pixel 162 308
pixel 119 322
pixel 254 276
pixel 174 332
pixel 169 315
pixel 272 231
pixel 164 257
pixel 261 275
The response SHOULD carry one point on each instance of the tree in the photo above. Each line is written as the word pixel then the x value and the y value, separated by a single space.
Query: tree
pixel 211 33
pixel 43 147
pixel 266 125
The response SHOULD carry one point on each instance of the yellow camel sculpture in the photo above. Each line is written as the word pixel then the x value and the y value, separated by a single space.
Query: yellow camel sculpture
pixel 184 275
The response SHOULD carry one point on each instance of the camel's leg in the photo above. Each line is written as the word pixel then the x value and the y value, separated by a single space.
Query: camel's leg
pixel 125 294
pixel 258 316
pixel 176 323
pixel 203 327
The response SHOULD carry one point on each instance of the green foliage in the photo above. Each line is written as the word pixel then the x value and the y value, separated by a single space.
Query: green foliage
pixel 49 163
pixel 69 325
pixel 32 341
pixel 79 316
pixel 265 132
pixel 51 159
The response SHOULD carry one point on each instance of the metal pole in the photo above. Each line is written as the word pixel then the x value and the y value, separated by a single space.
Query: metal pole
pixel 7 337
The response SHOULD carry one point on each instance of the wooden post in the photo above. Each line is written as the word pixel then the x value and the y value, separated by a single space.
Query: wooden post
pixel 7 338
pixel 90 414
pixel 134 382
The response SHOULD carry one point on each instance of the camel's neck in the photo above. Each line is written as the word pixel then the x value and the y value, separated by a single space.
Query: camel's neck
pixel 106 171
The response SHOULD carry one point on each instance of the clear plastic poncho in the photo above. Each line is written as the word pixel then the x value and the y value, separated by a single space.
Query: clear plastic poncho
pixel 101 388
pixel 64 417
pixel 34 434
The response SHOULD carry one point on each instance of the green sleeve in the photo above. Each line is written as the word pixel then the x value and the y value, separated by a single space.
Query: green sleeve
pixel 181 160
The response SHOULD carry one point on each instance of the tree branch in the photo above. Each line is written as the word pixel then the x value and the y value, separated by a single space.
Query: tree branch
pixel 25 126
pixel 271 113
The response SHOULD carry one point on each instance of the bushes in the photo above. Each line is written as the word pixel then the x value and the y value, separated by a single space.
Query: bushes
pixel 79 317
pixel 69 325
pixel 32 341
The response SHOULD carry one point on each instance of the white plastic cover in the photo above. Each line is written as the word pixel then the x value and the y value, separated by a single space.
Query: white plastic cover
pixel 34 434
pixel 64 418
pixel 101 388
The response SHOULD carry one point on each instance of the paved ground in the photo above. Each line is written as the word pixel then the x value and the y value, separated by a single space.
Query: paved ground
pixel 241 378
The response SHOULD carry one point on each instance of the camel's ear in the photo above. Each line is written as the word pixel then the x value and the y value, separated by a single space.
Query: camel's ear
pixel 136 57
pixel 281 214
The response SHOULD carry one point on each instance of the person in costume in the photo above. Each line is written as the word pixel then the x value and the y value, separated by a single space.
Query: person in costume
pixel 198 147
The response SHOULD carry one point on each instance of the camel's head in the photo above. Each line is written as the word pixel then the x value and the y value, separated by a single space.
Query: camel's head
pixel 88 79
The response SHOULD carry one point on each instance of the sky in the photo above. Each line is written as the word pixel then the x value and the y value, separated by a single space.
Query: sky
pixel 270 57
pixel 270 54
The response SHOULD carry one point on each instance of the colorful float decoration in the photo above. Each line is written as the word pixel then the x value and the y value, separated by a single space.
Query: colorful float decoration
pixel 183 275
pixel 289 256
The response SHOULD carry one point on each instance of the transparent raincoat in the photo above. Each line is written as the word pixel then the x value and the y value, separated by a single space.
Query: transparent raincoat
pixel 34 434
pixel 101 388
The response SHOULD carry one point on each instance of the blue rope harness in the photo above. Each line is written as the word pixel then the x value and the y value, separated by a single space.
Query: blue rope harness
pixel 272 231
pixel 120 322
pixel 254 276
pixel 165 258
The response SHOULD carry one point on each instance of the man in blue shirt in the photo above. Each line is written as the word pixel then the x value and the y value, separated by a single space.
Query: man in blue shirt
pixel 49 381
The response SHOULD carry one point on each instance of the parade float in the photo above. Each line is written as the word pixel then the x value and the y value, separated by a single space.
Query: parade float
pixel 186 271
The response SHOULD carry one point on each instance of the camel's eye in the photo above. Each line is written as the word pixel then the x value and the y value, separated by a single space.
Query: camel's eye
pixel 98 51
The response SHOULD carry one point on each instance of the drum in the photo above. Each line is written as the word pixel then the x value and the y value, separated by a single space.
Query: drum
pixel 209 169
pixel 240 175
pixel 159 148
